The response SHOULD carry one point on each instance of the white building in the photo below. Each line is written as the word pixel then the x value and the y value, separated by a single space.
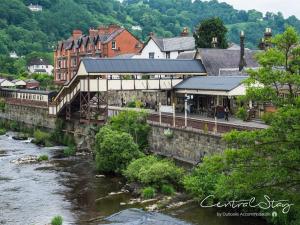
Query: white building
pixel 6 83
pixel 13 55
pixel 167 48
pixel 40 66
pixel 35 8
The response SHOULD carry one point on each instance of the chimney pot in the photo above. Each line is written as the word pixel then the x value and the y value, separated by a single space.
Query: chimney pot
pixel 185 32
pixel 76 34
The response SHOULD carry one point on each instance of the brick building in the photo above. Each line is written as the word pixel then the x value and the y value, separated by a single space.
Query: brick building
pixel 103 42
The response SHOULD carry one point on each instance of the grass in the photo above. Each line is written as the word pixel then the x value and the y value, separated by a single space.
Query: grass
pixel 57 220
pixel 167 189
pixel 148 192
pixel 69 151
pixel 2 131
pixel 43 158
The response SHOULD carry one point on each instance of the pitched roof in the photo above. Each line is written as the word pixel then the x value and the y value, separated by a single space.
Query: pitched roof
pixel 216 60
pixel 187 55
pixel 216 83
pixel 125 56
pixel 113 65
pixel 175 43
pixel 38 61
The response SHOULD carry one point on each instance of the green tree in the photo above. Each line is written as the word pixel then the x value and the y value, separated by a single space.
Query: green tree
pixel 207 30
pixel 114 150
pixel 262 162
pixel 133 123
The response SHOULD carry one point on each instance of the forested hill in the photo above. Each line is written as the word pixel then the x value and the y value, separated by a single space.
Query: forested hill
pixel 24 31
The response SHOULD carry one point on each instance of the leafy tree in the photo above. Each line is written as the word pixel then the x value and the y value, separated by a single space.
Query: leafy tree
pixel 262 162
pixel 114 150
pixel 134 123
pixel 207 30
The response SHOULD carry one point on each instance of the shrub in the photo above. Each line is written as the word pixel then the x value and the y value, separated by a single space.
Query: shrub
pixel 268 117
pixel 131 104
pixel 69 151
pixel 114 150
pixel 2 131
pixel 148 192
pixel 134 123
pixel 2 104
pixel 242 114
pixel 43 158
pixel 14 126
pixel 57 220
pixel 167 189
pixel 168 133
pixel 42 138
pixel 151 170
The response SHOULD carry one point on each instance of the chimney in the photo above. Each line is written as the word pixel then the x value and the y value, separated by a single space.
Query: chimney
pixel 151 34
pixel 76 34
pixel 242 63
pixel 113 27
pixel 102 30
pixel 268 37
pixel 93 32
pixel 185 32
pixel 214 42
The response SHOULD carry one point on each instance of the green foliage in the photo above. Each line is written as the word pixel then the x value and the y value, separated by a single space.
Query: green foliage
pixel 148 192
pixel 207 30
pixel 268 117
pixel 2 131
pixel 114 150
pixel 43 158
pixel 42 138
pixel 2 104
pixel 134 123
pixel 242 114
pixel 167 189
pixel 168 133
pixel 57 220
pixel 151 170
pixel 69 151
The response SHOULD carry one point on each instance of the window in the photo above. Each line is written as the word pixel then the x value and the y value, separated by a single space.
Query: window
pixel 151 55
pixel 167 55
pixel 113 45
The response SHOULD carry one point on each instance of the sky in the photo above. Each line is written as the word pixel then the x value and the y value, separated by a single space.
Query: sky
pixel 287 7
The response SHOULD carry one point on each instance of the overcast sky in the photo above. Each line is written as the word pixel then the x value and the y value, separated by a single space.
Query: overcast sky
pixel 287 7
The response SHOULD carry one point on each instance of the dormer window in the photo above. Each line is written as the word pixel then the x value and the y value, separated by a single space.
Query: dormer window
pixel 113 45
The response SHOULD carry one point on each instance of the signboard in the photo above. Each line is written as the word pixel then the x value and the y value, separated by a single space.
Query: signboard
pixel 166 109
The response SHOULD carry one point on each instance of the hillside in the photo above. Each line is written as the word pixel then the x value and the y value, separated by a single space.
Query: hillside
pixel 24 31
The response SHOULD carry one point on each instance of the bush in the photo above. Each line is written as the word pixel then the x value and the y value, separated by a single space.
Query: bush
pixel 268 117
pixel 114 150
pixel 43 158
pixel 167 189
pixel 242 114
pixel 148 192
pixel 41 138
pixel 151 170
pixel 57 220
pixel 131 104
pixel 69 151
pixel 2 104
pixel 134 123
pixel 2 131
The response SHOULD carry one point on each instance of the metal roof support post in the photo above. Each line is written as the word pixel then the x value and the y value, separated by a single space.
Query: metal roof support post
pixel 185 108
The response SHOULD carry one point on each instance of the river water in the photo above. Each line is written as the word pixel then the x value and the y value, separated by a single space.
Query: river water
pixel 32 194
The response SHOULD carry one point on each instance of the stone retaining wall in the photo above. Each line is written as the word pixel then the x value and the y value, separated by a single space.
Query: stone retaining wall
pixel 28 114
pixel 188 145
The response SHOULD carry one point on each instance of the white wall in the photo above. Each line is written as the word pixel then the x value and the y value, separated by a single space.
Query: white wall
pixel 48 68
pixel 151 47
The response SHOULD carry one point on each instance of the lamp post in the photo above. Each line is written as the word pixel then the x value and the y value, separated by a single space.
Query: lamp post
pixel 185 108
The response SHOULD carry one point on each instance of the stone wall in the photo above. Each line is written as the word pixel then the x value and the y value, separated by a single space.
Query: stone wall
pixel 149 96
pixel 186 145
pixel 30 115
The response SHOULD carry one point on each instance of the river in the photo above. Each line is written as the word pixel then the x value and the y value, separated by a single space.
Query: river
pixel 35 193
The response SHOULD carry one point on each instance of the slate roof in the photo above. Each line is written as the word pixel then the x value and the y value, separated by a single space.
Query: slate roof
pixel 175 43
pixel 39 61
pixel 215 60
pixel 113 65
pixel 187 55
pixel 125 56
pixel 217 83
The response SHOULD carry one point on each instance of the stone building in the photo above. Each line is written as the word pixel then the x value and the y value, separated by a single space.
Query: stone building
pixel 103 42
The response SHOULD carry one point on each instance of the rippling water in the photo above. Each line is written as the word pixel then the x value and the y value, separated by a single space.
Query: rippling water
pixel 35 193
